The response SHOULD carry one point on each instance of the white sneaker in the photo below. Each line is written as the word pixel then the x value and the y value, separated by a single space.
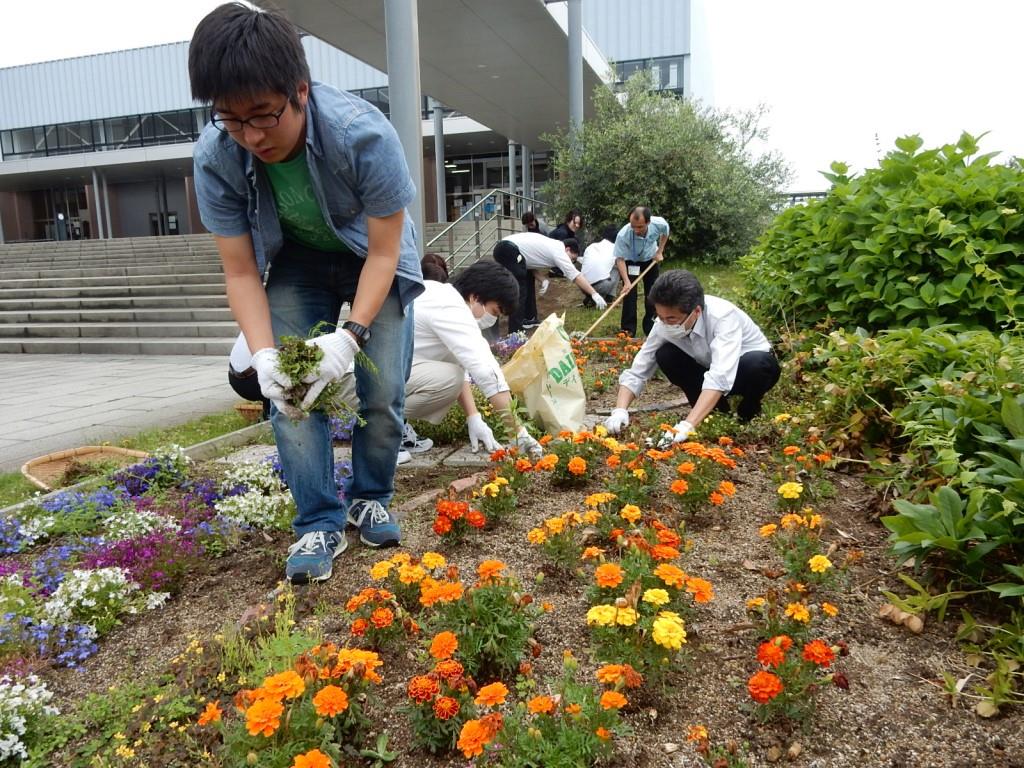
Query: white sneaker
pixel 412 442
pixel 404 456
pixel 543 287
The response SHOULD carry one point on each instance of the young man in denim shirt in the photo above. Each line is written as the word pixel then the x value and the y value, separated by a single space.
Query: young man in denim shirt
pixel 307 186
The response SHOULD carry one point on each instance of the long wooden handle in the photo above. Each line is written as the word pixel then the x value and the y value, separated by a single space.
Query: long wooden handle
pixel 618 299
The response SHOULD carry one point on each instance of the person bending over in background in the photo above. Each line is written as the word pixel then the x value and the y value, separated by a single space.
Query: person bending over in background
pixel 598 265
pixel 706 346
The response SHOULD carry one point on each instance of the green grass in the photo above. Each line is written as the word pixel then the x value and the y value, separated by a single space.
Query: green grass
pixel 722 280
pixel 14 488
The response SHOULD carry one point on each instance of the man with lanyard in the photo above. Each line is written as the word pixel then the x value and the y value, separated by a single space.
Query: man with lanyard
pixel 637 244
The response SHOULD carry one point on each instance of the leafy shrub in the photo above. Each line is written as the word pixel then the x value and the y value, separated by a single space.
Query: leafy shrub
pixel 928 237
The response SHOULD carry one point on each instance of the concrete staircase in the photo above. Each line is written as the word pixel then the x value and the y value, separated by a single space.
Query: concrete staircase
pixel 127 296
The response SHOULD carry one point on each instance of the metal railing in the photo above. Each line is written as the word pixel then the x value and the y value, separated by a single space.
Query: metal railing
pixel 487 215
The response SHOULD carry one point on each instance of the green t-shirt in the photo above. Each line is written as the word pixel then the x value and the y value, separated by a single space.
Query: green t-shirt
pixel 297 207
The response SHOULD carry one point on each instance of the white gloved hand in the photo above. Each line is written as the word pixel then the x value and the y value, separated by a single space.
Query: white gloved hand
pixel 339 350
pixel 526 444
pixel 598 300
pixel 480 433
pixel 682 431
pixel 543 287
pixel 618 421
pixel 274 385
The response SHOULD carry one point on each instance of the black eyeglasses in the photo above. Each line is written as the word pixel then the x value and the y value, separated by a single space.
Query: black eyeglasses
pixel 261 122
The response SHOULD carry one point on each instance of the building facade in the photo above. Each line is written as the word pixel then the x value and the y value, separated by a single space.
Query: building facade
pixel 101 146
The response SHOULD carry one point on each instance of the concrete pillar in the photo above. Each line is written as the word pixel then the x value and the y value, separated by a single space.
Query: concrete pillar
pixel 575 64
pixel 106 205
pixel 98 213
pixel 511 176
pixel 442 198
pixel 402 29
pixel 526 175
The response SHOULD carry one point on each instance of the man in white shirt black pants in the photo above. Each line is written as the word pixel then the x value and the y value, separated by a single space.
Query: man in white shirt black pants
pixel 706 346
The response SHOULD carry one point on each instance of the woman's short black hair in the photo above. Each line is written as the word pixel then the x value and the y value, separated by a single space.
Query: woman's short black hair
pixel 240 52
pixel 679 289
pixel 434 267
pixel 489 281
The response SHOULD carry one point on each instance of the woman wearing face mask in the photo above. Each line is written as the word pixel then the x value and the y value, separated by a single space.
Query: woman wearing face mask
pixel 449 350
pixel 706 346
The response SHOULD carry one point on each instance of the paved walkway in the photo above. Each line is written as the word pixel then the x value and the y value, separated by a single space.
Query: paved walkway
pixel 52 402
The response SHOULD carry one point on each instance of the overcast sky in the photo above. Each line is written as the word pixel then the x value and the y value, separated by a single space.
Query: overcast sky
pixel 834 73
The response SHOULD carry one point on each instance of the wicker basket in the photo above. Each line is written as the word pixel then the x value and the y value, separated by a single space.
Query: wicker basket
pixel 251 412
pixel 46 471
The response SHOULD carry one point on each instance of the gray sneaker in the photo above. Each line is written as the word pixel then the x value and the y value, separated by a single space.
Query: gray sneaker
pixel 311 558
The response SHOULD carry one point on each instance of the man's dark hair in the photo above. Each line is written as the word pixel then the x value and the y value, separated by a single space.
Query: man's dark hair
pixel 489 281
pixel 434 267
pixel 572 244
pixel 609 232
pixel 679 289
pixel 529 218
pixel 643 211
pixel 241 52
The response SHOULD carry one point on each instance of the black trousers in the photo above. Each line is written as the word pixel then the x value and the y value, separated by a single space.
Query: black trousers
pixel 247 386
pixel 628 322
pixel 507 254
pixel 757 373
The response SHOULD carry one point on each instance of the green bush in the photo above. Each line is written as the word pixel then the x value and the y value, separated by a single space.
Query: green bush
pixel 929 237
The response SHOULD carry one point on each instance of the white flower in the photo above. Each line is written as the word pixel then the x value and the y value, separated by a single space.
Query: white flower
pixel 132 523
pixel 254 508
pixel 255 476
pixel 23 706
pixel 156 599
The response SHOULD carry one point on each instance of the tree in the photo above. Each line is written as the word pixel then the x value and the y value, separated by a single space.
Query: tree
pixel 689 163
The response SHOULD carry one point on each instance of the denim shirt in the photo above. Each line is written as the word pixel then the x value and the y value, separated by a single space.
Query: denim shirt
pixel 357 169
pixel 631 247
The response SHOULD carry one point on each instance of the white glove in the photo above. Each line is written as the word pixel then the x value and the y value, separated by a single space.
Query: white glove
pixel 273 383
pixel 480 433
pixel 682 431
pixel 543 287
pixel 598 300
pixel 526 444
pixel 618 421
pixel 339 350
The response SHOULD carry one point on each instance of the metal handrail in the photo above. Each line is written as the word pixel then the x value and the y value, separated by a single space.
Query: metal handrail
pixel 476 205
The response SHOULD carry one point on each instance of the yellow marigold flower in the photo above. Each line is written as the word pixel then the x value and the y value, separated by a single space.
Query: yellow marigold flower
pixel 829 609
pixel 767 530
pixel 601 615
pixel 640 474
pixel 490 489
pixel 819 564
pixel 626 617
pixel 697 733
pixel 124 751
pixel 791 490
pixel 401 558
pixel 631 513
pixel 380 570
pixel 782 418
pixel 555 525
pixel 596 499
pixel 798 612
pixel 536 536
pixel 411 574
pixel 791 521
pixel 668 632
pixel 813 521
pixel 591 516
pixel 656 597
pixel 600 431
pixel 754 603
pixel 433 560
pixel 500 481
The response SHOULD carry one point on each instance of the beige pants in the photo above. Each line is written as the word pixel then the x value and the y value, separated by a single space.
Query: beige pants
pixel 432 388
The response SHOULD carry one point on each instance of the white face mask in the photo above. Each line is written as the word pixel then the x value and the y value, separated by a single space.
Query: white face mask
pixel 679 331
pixel 486 320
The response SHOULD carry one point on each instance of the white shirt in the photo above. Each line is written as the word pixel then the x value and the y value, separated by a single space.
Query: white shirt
pixel 541 252
pixel 446 331
pixel 598 261
pixel 723 334
pixel 240 358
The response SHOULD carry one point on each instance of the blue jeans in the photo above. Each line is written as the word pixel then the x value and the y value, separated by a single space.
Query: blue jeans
pixel 307 287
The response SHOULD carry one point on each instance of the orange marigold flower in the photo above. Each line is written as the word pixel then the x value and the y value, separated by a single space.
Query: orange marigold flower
pixel 770 655
pixel 476 518
pixel 577 466
pixel 264 717
pixel 791 450
pixel 668 537
pixel 541 705
pixel 608 575
pixel 490 569
pixel 679 487
pixel 286 685
pixel 449 670
pixel 686 468
pixel 547 462
pixel 764 686
pixel 573 709
pixel 697 733
pixel 613 461
pixel 545 439
pixel 499 455
pixel 359 627
pixel 591 553
pixel 440 592
pixel 211 714
pixel 444 645
pixel 725 440
pixel 767 530
pixel 382 617
pixel 523 465
pixel 445 707
pixel 491 695
pixel 664 552
pixel 727 488
pixel 473 737
pixel 603 733
pixel 671 575
pixel 822 458
pixel 716 498
pixel 819 652
pixel 442 525
pixel 701 589
pixel 330 701
pixel 423 688
pixel 785 642
pixel 613 700
pixel 312 759
pixel 830 610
